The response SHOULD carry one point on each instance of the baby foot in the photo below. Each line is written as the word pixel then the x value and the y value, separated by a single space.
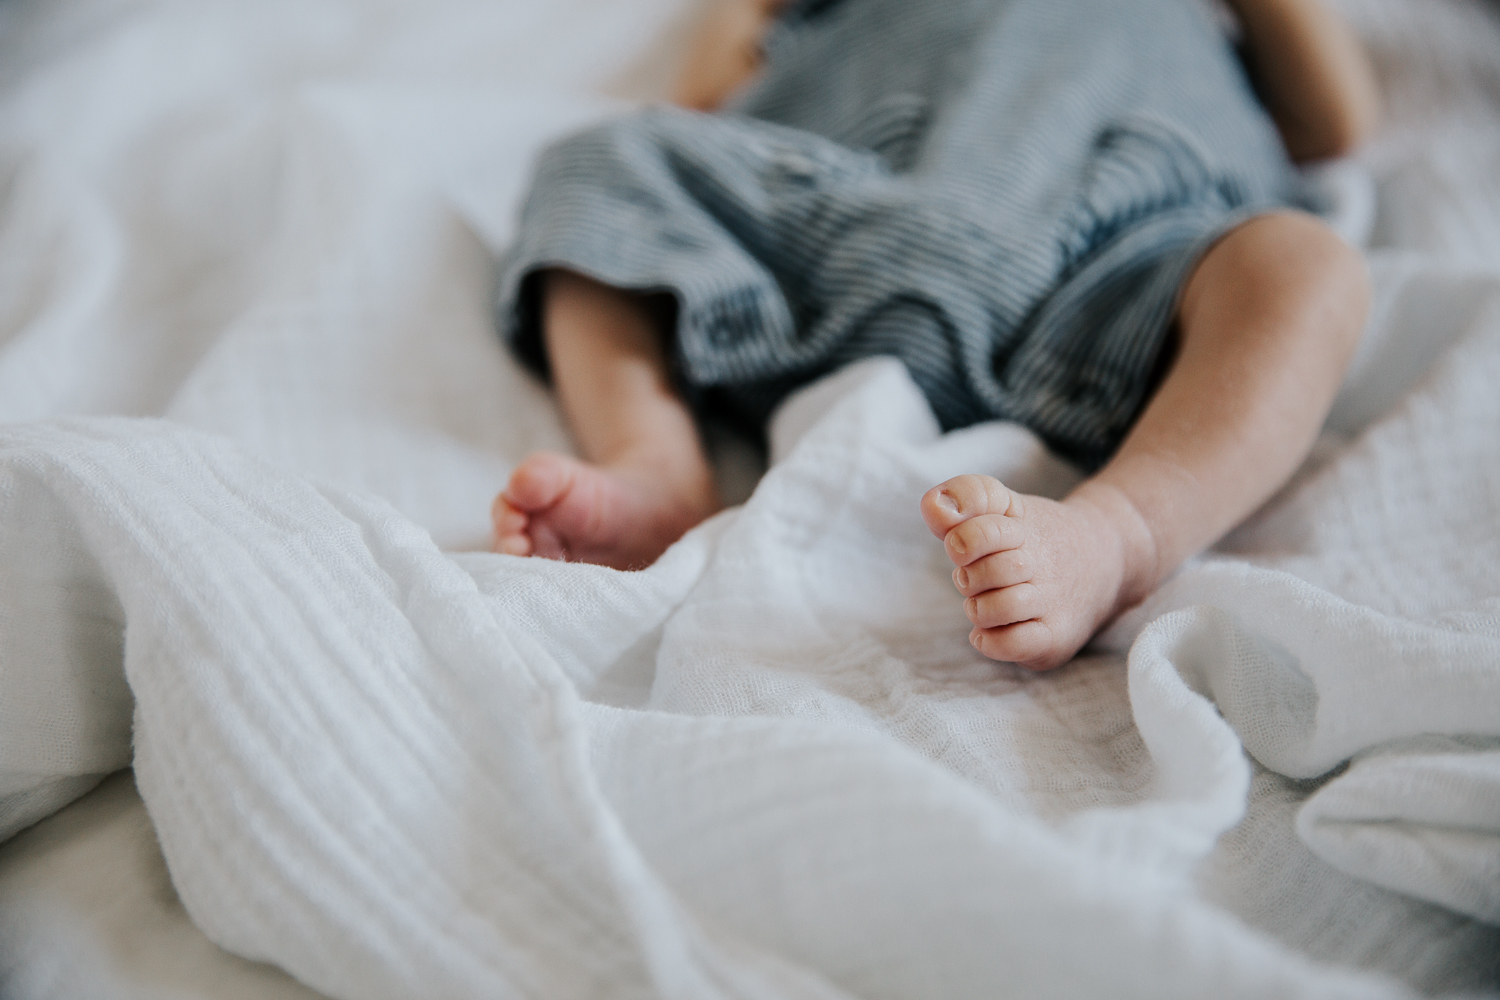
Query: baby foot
pixel 1040 577
pixel 622 515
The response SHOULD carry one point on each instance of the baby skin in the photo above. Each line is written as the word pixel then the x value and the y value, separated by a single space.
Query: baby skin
pixel 1264 330
pixel 646 479
pixel 1038 576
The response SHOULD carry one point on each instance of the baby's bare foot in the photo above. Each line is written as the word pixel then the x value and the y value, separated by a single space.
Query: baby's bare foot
pixel 622 515
pixel 1040 577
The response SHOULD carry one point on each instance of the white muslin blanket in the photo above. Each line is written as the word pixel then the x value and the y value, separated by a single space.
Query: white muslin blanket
pixel 377 766
pixel 374 764
pixel 254 411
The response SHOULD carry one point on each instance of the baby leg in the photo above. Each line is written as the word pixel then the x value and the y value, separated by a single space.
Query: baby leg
pixel 645 479
pixel 1267 324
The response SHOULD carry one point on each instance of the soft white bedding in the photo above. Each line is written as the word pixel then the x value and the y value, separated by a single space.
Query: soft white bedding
pixel 771 765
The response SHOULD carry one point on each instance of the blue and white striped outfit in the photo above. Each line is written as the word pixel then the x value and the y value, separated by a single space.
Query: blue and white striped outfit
pixel 1007 195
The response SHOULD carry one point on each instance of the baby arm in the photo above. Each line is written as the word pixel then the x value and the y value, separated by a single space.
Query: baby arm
pixel 725 51
pixel 1313 75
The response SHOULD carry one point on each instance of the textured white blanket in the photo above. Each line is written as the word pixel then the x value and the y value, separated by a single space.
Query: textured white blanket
pixel 770 766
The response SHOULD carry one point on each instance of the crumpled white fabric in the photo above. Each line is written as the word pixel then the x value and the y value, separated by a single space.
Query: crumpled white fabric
pixel 365 765
pixel 1422 818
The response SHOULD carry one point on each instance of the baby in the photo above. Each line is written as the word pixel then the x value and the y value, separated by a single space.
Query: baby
pixel 1070 213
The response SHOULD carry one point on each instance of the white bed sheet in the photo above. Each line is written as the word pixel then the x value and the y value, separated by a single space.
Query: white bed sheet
pixel 275 224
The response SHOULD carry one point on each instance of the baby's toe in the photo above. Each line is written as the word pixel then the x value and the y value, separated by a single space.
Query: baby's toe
pixel 539 481
pixel 963 497
pixel 982 536
pixel 999 569
pixel 510 529
pixel 513 545
pixel 1028 644
pixel 1005 606
pixel 508 520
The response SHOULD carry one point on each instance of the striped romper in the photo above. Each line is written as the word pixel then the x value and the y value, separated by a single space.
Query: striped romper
pixel 1006 195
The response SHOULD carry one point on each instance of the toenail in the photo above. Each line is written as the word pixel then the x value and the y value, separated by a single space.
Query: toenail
pixel 956 543
pixel 963 577
pixel 945 500
pixel 971 606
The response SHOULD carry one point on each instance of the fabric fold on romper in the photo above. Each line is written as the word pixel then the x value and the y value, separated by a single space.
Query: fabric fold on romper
pixel 1006 195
